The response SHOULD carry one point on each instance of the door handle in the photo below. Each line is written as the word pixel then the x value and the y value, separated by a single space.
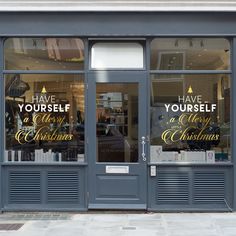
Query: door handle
pixel 143 148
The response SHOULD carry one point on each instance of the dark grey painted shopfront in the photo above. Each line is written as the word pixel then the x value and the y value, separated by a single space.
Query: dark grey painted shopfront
pixel 94 184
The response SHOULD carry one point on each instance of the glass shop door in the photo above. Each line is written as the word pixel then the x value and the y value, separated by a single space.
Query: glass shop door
pixel 117 116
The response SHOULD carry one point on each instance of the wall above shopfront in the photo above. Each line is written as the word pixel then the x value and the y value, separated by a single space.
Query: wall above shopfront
pixel 118 24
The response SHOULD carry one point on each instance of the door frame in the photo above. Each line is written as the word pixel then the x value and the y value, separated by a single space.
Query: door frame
pixel 95 77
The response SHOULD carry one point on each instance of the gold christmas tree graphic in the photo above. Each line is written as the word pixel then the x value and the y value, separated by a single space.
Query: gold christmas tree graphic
pixel 190 90
pixel 44 90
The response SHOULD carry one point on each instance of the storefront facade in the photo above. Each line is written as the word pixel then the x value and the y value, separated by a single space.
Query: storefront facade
pixel 118 110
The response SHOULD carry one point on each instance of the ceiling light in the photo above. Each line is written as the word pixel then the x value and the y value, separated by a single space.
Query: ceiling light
pixel 191 43
pixel 34 43
pixel 176 43
pixel 202 44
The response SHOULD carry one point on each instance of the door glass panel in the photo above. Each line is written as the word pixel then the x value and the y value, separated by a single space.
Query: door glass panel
pixel 117 122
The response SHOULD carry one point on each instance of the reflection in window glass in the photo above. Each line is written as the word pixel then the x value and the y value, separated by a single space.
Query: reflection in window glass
pixel 117 122
pixel 190 54
pixel 190 118
pixel 44 54
pixel 44 118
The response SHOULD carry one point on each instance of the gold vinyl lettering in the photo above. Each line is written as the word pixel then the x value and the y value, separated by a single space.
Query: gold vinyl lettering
pixel 40 119
pixel 190 127
pixel 48 124
pixel 43 134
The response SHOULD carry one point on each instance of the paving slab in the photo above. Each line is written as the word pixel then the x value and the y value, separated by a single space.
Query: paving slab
pixel 121 224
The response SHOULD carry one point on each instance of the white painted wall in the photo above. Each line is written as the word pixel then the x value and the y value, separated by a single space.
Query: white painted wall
pixel 117 5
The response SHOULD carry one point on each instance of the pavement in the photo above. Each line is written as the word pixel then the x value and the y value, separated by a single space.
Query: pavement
pixel 120 224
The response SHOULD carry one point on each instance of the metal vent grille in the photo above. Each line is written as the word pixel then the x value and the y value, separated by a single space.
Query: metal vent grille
pixel 10 227
pixel 172 188
pixel 209 187
pixel 63 187
pixel 24 187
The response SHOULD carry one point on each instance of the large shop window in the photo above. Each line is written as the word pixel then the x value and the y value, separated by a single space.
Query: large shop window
pixel 44 118
pixel 44 54
pixel 190 113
